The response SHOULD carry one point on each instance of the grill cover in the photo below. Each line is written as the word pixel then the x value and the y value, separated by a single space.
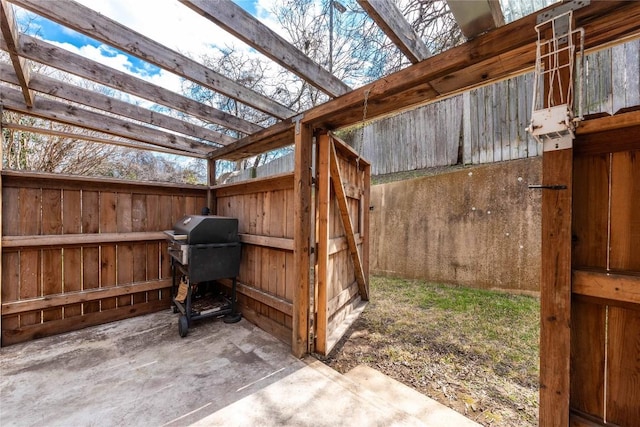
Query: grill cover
pixel 201 229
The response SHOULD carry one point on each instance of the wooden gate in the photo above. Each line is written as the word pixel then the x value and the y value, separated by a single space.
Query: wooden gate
pixel 342 239
pixel 605 307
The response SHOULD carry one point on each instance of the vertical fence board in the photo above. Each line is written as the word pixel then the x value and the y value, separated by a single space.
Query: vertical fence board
pixel 108 214
pixel 623 367
pixel 91 275
pixel 591 212
pixel 71 212
pixel 587 357
pixel 10 211
pixel 124 252
pixel 51 211
pixel 30 286
pixel 51 280
pixel 625 217
pixel 139 215
pixel 72 270
pixel 90 211
pixel 30 217
pixel 10 275
pixel 108 274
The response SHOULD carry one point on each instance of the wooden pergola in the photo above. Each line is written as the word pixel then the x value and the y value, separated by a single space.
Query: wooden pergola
pixel 91 228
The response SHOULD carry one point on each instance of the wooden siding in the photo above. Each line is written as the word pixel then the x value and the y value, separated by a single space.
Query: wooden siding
pixel 605 334
pixel 81 251
pixel 264 209
pixel 487 124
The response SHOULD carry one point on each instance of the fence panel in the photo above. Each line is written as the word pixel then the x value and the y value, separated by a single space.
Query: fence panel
pixel 80 251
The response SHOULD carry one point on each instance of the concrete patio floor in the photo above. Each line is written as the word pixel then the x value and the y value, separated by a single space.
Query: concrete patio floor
pixel 139 372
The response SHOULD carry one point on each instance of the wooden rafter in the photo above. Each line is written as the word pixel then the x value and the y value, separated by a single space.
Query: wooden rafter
pixel 390 20
pixel 476 16
pixel 92 24
pixel 343 206
pixel 90 138
pixel 9 30
pixel 58 111
pixel 45 53
pixel 47 85
pixel 496 55
pixel 241 24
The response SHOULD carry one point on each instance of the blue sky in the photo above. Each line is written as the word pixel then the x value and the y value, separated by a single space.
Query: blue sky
pixel 166 21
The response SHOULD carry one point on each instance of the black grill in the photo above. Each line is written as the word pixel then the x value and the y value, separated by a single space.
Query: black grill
pixel 203 249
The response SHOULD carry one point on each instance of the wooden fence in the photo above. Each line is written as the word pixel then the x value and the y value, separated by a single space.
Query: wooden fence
pixel 605 306
pixel 484 125
pixel 342 239
pixel 79 251
pixel 264 208
pixel 265 211
pixel 487 124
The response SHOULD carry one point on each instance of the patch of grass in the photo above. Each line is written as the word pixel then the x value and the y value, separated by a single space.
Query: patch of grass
pixel 475 350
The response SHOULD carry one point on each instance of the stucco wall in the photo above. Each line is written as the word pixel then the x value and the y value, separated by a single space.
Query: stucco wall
pixel 475 226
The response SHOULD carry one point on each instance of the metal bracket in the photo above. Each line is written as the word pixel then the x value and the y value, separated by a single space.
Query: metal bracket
pixel 547 187
pixel 297 119
pixel 561 18
pixel 565 7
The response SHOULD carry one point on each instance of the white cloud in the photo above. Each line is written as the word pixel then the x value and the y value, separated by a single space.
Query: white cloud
pixel 168 22
pixel 101 54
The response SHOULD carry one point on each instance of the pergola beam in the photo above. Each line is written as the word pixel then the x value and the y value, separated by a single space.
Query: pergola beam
pixel 235 20
pixel 93 99
pixel 476 16
pixel 108 141
pixel 92 24
pixel 61 112
pixel 9 30
pixel 390 20
pixel 48 54
pixel 496 55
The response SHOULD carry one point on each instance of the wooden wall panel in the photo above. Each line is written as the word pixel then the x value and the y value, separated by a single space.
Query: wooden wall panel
pixel 264 209
pixel 29 283
pixel 71 211
pixel 91 275
pixel 625 212
pixel 10 274
pixel 591 211
pixel 52 280
pixel 72 268
pixel 605 336
pixel 10 211
pixel 587 357
pixel 623 367
pixel 36 205
pixel 623 363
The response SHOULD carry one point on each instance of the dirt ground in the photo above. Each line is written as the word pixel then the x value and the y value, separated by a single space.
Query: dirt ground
pixel 474 351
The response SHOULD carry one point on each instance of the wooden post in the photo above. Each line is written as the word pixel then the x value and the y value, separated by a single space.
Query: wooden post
pixel 302 237
pixel 365 232
pixel 211 181
pixel 555 279
pixel 1 227
pixel 555 289
pixel 322 257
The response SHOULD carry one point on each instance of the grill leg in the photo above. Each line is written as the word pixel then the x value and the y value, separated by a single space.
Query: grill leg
pixel 234 316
